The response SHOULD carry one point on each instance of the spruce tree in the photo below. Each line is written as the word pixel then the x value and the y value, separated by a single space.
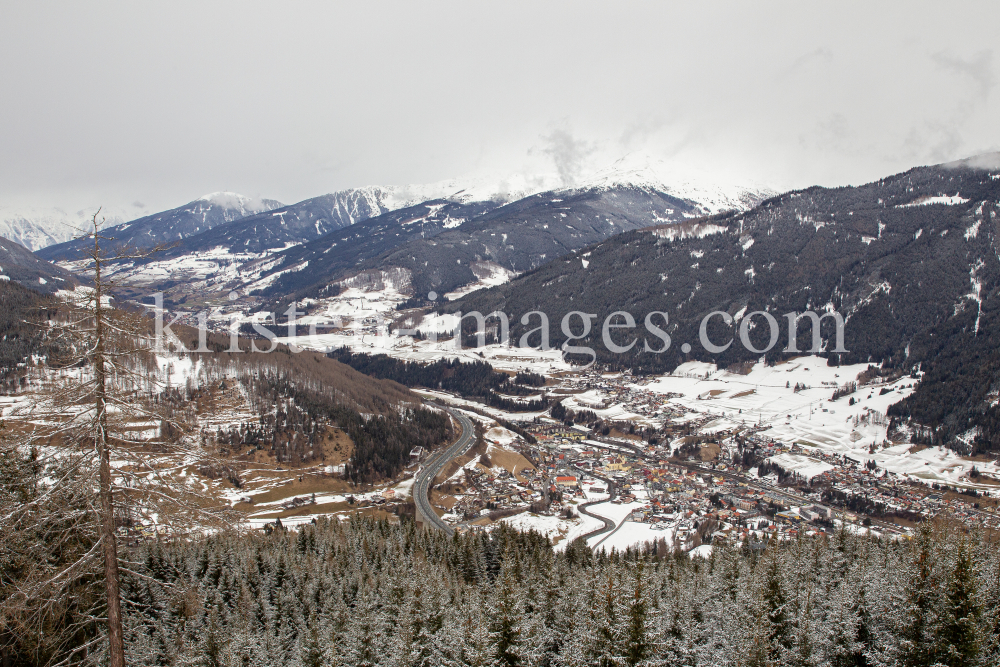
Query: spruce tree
pixel 922 616
pixel 960 644
pixel 507 628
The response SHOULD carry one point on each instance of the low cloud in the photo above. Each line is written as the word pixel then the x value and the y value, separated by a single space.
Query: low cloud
pixel 821 54
pixel 979 68
pixel 568 154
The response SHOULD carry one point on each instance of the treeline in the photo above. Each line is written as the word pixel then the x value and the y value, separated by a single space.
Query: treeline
pixel 293 435
pixel 475 379
pixel 298 396
pixel 569 416
pixel 365 593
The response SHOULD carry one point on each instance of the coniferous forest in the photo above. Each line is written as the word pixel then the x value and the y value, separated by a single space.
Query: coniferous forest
pixel 476 379
pixel 369 593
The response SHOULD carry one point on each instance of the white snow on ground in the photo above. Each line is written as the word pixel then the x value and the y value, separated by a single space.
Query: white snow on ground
pixel 613 511
pixel 704 551
pixel 802 465
pixel 501 436
pixel 176 370
pixel 552 527
pixel 584 525
pixel 455 401
pixel 684 230
pixel 218 265
pixel 404 488
pixel 942 199
pixel 489 274
pixel 591 495
pixel 631 534
pixel 767 396
pixel 373 339
pixel 627 533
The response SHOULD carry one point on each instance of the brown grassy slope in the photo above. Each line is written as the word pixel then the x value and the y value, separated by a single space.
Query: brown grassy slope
pixel 309 369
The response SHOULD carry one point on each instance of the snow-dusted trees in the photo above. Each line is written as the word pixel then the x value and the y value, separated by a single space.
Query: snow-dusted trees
pixel 50 599
pixel 369 593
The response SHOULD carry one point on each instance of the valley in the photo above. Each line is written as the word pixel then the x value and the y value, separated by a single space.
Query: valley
pixel 677 442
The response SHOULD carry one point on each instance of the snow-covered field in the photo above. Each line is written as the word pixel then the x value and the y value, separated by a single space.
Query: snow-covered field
pixel 767 396
pixel 627 533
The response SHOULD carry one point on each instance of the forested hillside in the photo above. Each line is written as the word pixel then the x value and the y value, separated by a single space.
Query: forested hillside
pixel 476 379
pixel 367 593
pixel 910 261
pixel 382 441
pixel 296 396
pixel 439 243
pixel 20 265
pixel 330 257
pixel 167 227
pixel 21 313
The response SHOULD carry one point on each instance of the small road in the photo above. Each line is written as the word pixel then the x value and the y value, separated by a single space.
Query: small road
pixel 608 523
pixel 434 465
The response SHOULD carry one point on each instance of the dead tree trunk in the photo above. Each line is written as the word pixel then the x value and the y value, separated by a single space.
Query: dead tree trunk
pixel 109 547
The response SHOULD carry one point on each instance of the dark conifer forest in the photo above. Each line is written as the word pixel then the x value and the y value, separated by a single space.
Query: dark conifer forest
pixel 21 312
pixel 476 379
pixel 365 593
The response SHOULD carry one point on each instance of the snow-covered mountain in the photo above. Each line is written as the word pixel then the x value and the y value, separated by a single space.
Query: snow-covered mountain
pixel 514 237
pixel 500 189
pixel 709 192
pixel 224 241
pixel 169 226
pixel 37 228
pixel 910 261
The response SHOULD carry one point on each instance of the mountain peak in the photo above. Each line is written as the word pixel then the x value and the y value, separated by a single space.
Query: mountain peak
pixel 715 193
pixel 236 201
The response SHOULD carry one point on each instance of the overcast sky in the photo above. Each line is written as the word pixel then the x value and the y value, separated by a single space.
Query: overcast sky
pixel 159 103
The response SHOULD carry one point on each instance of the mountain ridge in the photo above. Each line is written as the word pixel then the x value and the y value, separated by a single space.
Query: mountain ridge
pixel 167 226
pixel 20 265
pixel 912 262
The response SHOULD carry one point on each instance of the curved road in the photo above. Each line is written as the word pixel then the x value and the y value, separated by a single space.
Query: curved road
pixel 582 509
pixel 434 465
pixel 608 523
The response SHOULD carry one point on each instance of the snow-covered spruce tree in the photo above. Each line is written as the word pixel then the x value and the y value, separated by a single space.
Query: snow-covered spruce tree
pixel 476 647
pixel 507 629
pixel 50 597
pixel 776 606
pixel 959 639
pixel 989 573
pixel 412 584
pixel 365 642
pixel 921 623
pixel 640 615
pixel 611 618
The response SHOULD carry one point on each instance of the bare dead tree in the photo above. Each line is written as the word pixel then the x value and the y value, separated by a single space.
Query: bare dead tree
pixel 82 429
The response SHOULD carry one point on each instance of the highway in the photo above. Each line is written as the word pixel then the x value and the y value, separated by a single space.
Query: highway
pixel 434 465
